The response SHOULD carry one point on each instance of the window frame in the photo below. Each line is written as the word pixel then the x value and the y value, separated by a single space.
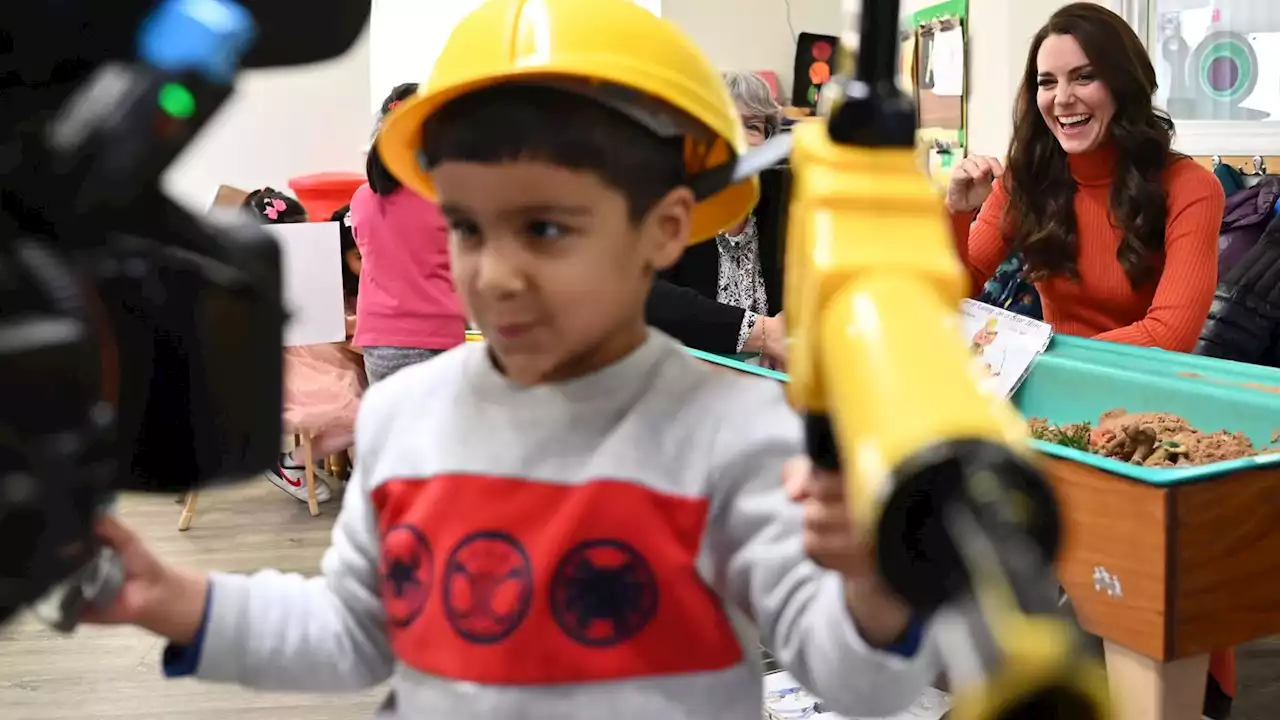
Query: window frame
pixel 1204 137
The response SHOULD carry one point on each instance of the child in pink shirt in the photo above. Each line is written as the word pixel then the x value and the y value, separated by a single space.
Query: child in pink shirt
pixel 408 309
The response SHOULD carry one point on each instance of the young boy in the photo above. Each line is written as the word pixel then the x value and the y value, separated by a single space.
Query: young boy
pixel 574 519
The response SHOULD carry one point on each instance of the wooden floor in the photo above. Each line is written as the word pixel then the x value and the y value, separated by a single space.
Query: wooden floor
pixel 100 673
pixel 114 672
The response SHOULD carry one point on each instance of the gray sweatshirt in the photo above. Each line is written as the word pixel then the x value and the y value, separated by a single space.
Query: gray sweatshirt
pixel 614 546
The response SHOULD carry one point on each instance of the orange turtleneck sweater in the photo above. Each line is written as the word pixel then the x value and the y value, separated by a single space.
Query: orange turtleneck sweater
pixel 1167 314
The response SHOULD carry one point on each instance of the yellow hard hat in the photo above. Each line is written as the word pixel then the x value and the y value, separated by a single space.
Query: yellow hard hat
pixel 597 44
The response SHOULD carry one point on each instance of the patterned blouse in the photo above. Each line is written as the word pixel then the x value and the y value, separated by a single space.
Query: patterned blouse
pixel 741 282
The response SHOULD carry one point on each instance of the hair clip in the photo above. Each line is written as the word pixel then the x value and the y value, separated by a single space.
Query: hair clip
pixel 274 207
pixel 392 105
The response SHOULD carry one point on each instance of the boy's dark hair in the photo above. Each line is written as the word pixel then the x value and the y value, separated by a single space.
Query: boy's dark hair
pixel 560 127
pixel 347 242
pixel 270 206
pixel 380 179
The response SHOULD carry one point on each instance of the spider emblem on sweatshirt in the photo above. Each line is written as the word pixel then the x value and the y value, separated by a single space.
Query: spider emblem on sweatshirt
pixel 603 593
pixel 488 586
pixel 407 571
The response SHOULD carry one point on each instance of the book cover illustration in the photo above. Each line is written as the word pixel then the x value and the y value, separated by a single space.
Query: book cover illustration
pixel 1005 345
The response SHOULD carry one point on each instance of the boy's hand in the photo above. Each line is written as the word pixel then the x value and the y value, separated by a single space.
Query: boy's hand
pixel 154 596
pixel 834 543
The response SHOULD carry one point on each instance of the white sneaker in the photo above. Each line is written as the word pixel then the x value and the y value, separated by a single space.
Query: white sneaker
pixel 294 482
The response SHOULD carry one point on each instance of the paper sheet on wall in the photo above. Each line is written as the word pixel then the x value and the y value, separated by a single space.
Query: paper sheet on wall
pixel 1004 344
pixel 311 270
pixel 785 699
pixel 947 61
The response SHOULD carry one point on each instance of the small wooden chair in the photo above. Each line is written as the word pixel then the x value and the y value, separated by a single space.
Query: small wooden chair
pixel 337 465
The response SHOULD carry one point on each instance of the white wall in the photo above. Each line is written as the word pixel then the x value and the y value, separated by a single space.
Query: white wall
pixel 998 41
pixel 278 125
pixel 284 123
pixel 1000 33
pixel 754 34
pixel 409 35
pixel 758 34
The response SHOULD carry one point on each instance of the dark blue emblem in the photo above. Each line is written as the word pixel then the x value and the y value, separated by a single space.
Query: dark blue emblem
pixel 603 593
pixel 407 569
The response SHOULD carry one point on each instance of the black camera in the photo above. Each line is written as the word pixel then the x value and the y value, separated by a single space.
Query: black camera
pixel 140 346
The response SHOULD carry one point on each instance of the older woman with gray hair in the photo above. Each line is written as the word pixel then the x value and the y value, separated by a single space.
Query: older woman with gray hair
pixel 761 115
pixel 725 296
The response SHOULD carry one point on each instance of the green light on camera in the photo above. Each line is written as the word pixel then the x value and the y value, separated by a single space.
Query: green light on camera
pixel 177 101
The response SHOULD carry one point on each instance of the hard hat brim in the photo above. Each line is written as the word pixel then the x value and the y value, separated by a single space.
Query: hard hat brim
pixel 399 144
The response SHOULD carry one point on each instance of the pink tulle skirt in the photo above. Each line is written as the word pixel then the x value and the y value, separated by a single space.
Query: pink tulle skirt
pixel 322 388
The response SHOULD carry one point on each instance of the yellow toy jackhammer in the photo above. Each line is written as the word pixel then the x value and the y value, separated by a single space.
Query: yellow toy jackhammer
pixel 938 471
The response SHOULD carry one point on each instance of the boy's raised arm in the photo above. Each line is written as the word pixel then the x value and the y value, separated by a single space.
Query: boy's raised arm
pixel 802 611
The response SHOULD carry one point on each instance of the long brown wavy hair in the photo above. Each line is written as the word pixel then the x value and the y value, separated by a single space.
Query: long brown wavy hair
pixel 1040 221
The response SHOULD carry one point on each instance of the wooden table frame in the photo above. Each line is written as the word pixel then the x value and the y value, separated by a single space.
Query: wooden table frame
pixel 1165 575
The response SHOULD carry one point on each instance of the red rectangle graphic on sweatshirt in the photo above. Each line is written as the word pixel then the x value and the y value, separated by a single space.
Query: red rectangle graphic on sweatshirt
pixel 504 580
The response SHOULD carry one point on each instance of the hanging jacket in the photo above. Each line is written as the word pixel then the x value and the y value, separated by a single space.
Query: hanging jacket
pixel 1232 179
pixel 1246 216
pixel 1244 320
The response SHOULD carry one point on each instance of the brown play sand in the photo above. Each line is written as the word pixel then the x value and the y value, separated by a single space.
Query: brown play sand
pixel 1152 439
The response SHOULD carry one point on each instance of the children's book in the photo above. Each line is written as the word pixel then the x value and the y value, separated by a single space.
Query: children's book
pixel 784 699
pixel 1005 345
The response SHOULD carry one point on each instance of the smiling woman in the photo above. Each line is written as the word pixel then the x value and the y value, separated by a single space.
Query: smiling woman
pixel 1118 233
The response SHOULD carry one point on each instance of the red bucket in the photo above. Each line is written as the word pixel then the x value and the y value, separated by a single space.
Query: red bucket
pixel 323 193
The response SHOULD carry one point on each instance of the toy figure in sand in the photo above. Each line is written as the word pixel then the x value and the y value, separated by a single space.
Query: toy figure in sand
pixel 1153 439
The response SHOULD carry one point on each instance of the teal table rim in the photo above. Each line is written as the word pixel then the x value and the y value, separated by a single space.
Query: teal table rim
pixel 733 364
pixel 1162 477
